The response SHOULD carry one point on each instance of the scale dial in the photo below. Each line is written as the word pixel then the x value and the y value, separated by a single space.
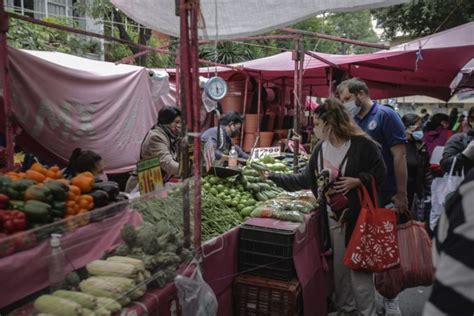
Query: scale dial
pixel 216 88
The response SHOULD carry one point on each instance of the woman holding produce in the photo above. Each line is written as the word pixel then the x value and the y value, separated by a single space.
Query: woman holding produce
pixel 83 161
pixel 348 159
pixel 162 142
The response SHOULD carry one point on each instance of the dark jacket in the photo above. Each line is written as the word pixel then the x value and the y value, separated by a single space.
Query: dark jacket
pixel 223 145
pixel 419 170
pixel 453 149
pixel 364 161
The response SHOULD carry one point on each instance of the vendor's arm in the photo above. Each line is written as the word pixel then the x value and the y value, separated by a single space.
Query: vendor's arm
pixel 242 154
pixel 158 147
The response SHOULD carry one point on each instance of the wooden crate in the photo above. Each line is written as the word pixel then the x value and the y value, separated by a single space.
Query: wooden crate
pixel 257 296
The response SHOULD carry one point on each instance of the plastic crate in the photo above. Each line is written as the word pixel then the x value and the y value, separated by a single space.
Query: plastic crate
pixel 266 252
pixel 257 296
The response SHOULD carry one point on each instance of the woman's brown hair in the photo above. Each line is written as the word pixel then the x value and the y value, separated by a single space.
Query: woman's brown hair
pixel 332 112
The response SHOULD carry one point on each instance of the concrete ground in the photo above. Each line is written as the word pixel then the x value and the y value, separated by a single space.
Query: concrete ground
pixel 411 301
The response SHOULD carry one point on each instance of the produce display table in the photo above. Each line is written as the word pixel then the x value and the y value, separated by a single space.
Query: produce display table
pixel 26 272
pixel 163 302
pixel 220 262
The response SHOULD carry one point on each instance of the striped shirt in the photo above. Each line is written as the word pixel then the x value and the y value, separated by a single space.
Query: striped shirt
pixel 453 255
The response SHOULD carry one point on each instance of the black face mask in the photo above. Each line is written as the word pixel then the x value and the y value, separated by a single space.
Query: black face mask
pixel 234 133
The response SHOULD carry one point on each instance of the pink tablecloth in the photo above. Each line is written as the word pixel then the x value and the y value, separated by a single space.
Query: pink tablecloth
pixel 26 272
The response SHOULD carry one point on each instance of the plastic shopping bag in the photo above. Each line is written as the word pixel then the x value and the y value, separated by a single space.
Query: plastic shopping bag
pixel 440 188
pixel 416 264
pixel 373 245
pixel 195 295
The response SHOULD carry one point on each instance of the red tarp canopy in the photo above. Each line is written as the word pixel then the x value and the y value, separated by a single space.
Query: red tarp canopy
pixel 403 70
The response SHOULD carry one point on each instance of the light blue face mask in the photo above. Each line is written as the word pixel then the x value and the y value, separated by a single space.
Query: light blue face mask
pixel 417 135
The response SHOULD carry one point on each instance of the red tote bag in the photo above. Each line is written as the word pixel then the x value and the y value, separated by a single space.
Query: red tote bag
pixel 416 264
pixel 373 245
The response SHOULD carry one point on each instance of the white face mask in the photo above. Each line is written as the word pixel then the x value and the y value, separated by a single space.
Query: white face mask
pixel 352 107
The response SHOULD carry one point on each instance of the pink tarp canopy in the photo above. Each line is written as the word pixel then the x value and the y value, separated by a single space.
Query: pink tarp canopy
pixel 61 102
pixel 401 71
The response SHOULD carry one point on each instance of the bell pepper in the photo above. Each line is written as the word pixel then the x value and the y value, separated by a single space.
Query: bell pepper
pixel 13 221
pixel 4 199
pixel 22 185
pixel 17 205
pixel 5 183
pixel 37 211
pixel 58 189
pixel 39 193
pixel 58 209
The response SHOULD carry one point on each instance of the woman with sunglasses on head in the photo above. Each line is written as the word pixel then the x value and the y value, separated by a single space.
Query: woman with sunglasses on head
pixel 460 149
pixel 350 159
pixel 418 162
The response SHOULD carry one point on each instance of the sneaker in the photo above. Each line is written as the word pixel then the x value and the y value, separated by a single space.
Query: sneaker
pixel 392 307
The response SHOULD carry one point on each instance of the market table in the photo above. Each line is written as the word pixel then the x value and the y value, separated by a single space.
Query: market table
pixel 220 263
pixel 26 272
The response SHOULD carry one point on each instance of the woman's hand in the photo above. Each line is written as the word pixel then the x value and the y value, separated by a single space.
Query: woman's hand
pixel 264 174
pixel 345 184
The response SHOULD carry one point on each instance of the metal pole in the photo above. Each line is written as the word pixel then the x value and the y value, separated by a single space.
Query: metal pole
pixel 296 144
pixel 185 95
pixel 6 85
pixel 334 38
pixel 247 79
pixel 196 125
pixel 259 105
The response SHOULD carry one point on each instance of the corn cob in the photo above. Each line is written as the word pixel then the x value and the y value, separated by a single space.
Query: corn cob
pixel 109 304
pixel 123 284
pixel 50 304
pixel 110 268
pixel 138 264
pixel 83 299
pixel 106 288
pixel 99 288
